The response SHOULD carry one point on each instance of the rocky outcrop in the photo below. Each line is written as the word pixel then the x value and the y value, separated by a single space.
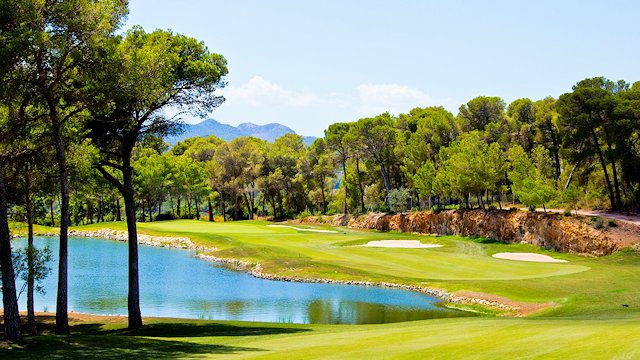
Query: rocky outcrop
pixel 117 235
pixel 549 231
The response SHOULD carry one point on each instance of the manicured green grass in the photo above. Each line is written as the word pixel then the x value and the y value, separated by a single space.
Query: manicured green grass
pixel 585 287
pixel 21 229
pixel 468 338
pixel 588 320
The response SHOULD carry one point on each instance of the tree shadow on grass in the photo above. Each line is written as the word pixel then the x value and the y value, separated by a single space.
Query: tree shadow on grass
pixel 109 339
pixel 114 347
pixel 178 329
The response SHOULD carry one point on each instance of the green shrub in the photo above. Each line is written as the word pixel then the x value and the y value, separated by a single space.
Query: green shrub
pixel 598 223
pixel 398 199
pixel 303 215
pixel 612 223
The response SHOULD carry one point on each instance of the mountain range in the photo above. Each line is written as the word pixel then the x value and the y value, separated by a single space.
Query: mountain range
pixel 268 132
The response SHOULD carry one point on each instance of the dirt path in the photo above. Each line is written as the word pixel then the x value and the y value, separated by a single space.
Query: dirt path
pixel 630 218
pixel 624 217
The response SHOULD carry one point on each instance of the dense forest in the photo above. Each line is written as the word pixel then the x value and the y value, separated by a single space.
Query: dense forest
pixel 580 150
pixel 82 127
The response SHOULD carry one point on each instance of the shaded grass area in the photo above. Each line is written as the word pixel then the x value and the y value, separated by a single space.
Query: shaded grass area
pixel 477 338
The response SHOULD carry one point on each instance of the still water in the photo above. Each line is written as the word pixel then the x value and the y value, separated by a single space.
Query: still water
pixel 174 283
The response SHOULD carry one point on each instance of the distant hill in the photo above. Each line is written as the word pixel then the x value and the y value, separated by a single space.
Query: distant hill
pixel 268 132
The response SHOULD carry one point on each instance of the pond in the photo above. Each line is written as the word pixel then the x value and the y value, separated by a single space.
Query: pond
pixel 174 283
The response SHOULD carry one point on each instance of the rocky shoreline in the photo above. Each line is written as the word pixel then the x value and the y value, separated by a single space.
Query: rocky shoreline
pixel 257 271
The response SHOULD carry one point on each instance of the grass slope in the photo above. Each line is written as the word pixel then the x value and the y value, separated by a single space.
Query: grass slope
pixel 468 338
pixel 589 320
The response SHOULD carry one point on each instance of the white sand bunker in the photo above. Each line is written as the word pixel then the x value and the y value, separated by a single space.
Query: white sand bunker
pixel 528 257
pixel 404 244
pixel 303 229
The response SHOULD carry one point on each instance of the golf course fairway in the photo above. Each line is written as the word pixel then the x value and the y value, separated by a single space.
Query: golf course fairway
pixel 585 308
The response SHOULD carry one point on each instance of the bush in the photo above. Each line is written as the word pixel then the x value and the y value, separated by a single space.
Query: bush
pixel 165 216
pixel 303 215
pixel 398 199
pixel 612 223
pixel 567 212
pixel 598 223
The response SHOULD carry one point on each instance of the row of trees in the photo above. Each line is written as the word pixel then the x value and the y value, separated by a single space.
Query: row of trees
pixel 560 151
pixel 75 91
pixel 421 159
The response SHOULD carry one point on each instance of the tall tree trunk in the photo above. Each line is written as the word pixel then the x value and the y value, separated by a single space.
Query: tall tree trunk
pixel 614 172
pixel 62 316
pixel 31 317
pixel 324 199
pixel 360 185
pixel 249 209
pixel 53 221
pixel 197 209
pixel 9 298
pixel 210 208
pixel 118 211
pixel 566 185
pixel 387 186
pixel 133 300
pixel 556 153
pixel 346 190
pixel 223 209
pixel 236 208
pixel 603 163
pixel 90 212
pixel 273 205
pixel 178 205
pixel 100 209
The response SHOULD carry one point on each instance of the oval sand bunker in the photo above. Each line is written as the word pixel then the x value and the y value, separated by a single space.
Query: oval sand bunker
pixel 404 244
pixel 527 257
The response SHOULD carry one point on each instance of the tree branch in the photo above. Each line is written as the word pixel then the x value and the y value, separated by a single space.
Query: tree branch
pixel 110 178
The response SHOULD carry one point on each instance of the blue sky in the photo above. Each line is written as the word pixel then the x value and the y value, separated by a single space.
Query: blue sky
pixel 307 64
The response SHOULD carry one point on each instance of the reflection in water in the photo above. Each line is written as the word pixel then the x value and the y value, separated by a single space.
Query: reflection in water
pixel 173 283
pixel 350 312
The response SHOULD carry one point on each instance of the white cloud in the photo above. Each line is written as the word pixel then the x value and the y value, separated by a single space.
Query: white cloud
pixel 394 98
pixel 259 91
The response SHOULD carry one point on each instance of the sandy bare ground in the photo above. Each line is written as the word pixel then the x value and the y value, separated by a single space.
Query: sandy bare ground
pixel 630 218
pixel 403 244
pixel 533 257
pixel 303 229
pixel 523 308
